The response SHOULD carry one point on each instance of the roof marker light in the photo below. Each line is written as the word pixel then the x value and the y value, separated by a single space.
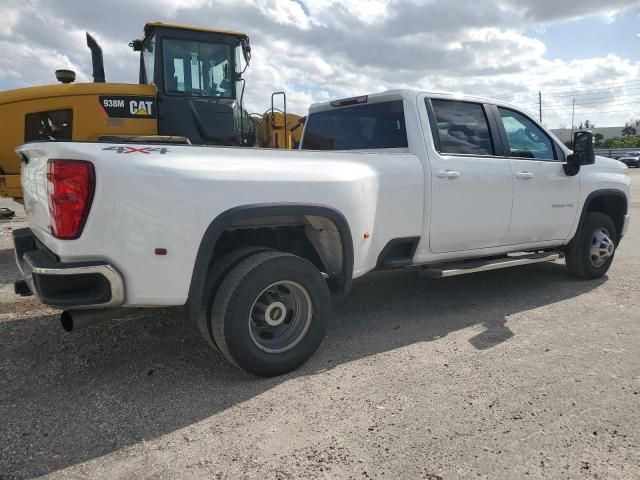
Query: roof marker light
pixel 345 102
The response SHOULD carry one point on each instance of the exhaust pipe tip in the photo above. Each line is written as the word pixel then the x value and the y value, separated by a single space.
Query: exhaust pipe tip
pixel 21 288
pixel 74 319
pixel 66 319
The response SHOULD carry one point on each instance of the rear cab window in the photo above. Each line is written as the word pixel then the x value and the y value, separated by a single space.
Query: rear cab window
pixel 364 126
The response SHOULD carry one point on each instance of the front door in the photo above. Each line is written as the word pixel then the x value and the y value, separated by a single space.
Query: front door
pixel 545 199
pixel 471 187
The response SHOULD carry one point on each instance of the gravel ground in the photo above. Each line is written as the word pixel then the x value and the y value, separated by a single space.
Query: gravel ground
pixel 521 373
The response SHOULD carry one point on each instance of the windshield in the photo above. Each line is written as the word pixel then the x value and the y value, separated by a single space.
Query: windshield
pixel 362 127
pixel 197 68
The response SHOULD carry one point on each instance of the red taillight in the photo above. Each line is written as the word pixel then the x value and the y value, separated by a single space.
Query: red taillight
pixel 70 187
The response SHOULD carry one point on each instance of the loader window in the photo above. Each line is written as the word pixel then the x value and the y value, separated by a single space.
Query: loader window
pixel 50 125
pixel 149 58
pixel 198 69
pixel 361 127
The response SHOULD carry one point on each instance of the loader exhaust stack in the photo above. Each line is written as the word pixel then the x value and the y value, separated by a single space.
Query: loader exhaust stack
pixel 96 59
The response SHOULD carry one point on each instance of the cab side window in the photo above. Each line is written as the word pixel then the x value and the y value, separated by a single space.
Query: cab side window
pixel 462 128
pixel 525 138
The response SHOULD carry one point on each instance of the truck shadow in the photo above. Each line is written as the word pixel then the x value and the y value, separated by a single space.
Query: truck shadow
pixel 68 398
pixel 9 271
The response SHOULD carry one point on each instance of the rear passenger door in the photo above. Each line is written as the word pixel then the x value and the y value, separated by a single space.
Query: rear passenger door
pixel 471 186
pixel 545 199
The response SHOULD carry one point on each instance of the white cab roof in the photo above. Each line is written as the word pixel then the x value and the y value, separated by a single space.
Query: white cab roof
pixel 414 94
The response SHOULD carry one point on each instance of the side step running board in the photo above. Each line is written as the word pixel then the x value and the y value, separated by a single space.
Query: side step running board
pixel 451 269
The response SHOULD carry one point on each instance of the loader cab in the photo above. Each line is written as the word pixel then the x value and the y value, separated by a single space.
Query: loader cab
pixel 198 76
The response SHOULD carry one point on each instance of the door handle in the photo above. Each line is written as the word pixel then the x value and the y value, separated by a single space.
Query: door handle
pixel 451 174
pixel 524 175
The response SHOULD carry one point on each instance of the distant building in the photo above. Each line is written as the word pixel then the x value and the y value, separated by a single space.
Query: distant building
pixel 564 134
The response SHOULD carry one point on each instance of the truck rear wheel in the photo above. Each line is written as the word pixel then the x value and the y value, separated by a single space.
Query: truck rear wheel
pixel 215 276
pixel 592 253
pixel 270 313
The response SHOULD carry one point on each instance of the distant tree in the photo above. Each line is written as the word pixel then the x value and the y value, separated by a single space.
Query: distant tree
pixel 622 142
pixel 631 128
pixel 599 139
pixel 585 125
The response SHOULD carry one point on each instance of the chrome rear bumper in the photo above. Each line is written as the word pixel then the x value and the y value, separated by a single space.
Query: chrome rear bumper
pixel 77 285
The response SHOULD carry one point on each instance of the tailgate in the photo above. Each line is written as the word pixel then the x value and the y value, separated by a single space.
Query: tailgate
pixel 34 188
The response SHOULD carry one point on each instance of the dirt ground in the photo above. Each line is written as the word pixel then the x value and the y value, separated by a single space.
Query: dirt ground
pixel 514 374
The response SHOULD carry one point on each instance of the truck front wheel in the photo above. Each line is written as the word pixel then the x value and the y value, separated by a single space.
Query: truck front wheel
pixel 270 313
pixel 594 247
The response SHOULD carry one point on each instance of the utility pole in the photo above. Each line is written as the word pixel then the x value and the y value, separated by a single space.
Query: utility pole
pixel 573 114
pixel 540 104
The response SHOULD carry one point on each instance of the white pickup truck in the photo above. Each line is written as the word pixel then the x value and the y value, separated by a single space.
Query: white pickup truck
pixel 254 241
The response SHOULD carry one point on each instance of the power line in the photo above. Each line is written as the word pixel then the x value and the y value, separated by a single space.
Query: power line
pixel 595 107
pixel 590 108
pixel 591 112
pixel 592 104
pixel 603 86
pixel 628 101
pixel 610 92
pixel 592 94
pixel 596 104
pixel 604 100
pixel 601 92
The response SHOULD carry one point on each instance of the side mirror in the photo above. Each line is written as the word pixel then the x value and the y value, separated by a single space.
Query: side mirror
pixel 246 50
pixel 136 45
pixel 583 153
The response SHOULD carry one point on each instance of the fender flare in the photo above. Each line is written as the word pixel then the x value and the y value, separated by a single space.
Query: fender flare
pixel 595 194
pixel 246 212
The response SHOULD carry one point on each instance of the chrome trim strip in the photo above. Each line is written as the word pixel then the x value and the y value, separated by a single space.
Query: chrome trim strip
pixel 110 273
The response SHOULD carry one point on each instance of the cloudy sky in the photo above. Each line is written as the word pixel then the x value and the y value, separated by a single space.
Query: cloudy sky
pixel 316 50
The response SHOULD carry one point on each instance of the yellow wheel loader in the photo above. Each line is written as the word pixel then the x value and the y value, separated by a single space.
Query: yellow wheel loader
pixel 276 128
pixel 190 89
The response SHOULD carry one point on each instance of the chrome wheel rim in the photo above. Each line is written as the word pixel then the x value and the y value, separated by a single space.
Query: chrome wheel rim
pixel 602 247
pixel 280 317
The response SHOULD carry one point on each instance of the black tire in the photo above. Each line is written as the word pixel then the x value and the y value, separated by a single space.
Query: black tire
pixel 580 261
pixel 279 277
pixel 202 312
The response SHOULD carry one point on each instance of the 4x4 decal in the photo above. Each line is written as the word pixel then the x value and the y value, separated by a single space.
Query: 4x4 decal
pixel 145 150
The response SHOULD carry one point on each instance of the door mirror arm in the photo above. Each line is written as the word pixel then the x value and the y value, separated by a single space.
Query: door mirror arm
pixel 571 168
pixel 583 153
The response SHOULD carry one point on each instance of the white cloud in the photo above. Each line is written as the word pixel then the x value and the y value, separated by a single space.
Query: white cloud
pixel 553 10
pixel 285 12
pixel 322 49
pixel 31 62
